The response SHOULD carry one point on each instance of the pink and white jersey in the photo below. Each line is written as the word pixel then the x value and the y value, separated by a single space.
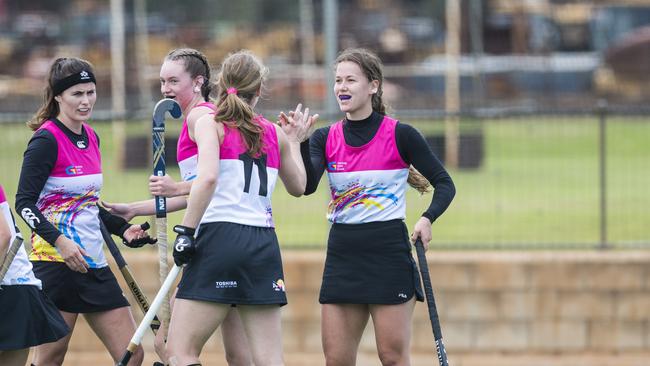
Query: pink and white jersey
pixel 20 270
pixel 186 149
pixel 367 183
pixel 69 198
pixel 245 184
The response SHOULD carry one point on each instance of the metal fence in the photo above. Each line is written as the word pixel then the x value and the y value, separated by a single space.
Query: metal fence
pixel 542 162
pixel 564 180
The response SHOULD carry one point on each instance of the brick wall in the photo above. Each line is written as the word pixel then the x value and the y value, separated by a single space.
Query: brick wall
pixel 523 308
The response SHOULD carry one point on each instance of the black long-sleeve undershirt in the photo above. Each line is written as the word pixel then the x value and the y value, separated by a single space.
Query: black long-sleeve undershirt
pixel 38 161
pixel 412 147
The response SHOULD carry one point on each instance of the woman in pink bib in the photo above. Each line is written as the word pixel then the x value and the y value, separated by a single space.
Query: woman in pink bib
pixel 369 269
pixel 233 257
pixel 185 76
pixel 58 192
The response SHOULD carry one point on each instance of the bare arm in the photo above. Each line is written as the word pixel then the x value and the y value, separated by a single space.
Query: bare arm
pixel 143 208
pixel 207 140
pixel 167 187
pixel 292 169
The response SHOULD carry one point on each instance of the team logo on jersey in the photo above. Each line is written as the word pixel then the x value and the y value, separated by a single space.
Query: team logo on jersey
pixel 74 170
pixel 336 166
pixel 81 144
pixel 30 218
pixel 278 285
pixel 84 75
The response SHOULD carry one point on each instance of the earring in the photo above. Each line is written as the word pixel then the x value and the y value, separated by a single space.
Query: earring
pixel 197 89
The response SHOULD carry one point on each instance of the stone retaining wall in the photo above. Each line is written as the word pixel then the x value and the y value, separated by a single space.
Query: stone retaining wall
pixel 513 305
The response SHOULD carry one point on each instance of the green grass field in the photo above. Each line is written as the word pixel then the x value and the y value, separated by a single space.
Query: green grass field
pixel 538 184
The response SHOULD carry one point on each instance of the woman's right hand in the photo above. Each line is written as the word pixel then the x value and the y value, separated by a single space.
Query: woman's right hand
pixel 120 209
pixel 163 186
pixel 297 125
pixel 72 254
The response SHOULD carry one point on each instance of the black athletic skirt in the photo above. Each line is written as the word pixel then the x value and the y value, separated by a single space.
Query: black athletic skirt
pixel 369 264
pixel 234 264
pixel 29 318
pixel 76 292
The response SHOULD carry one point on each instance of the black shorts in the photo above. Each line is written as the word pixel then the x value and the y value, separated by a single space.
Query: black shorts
pixel 76 292
pixel 370 264
pixel 234 264
pixel 29 318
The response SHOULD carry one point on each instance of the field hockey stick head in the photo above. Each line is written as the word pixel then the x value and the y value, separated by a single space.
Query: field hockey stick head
pixel 163 106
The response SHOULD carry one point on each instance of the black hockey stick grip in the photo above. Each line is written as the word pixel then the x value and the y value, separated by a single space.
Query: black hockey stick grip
pixel 431 303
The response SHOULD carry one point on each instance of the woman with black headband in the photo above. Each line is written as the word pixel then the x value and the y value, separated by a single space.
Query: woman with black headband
pixel 58 192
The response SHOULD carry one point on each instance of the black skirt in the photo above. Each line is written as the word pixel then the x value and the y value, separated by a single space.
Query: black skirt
pixel 76 292
pixel 234 264
pixel 29 318
pixel 370 263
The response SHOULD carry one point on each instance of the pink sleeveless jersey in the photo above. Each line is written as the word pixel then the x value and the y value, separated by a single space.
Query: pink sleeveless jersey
pixel 20 270
pixel 186 149
pixel 69 198
pixel 367 183
pixel 245 184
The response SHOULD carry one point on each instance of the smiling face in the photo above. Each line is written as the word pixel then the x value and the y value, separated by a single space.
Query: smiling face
pixel 76 103
pixel 353 90
pixel 177 83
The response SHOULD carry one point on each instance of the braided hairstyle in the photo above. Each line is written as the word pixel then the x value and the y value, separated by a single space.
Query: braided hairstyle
pixel 372 68
pixel 61 68
pixel 196 64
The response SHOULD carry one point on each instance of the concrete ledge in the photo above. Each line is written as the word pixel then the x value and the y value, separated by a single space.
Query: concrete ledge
pixel 497 308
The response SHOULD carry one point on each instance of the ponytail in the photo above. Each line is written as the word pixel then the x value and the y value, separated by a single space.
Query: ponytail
pixel 239 82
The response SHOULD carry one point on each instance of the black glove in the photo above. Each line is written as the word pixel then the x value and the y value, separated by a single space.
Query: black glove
pixel 138 243
pixel 184 246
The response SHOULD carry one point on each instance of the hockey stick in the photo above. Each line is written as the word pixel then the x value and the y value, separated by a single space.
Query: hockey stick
pixel 11 254
pixel 431 303
pixel 155 305
pixel 137 293
pixel 158 139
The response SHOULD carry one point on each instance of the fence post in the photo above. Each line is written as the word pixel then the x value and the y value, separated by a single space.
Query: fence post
pixel 602 110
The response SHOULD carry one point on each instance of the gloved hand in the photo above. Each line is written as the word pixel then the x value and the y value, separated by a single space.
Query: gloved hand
pixel 139 242
pixel 184 245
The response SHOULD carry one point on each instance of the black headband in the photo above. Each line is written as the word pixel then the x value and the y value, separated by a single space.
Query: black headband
pixel 72 80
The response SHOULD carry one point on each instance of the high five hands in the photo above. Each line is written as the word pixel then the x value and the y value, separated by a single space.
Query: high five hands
pixel 297 125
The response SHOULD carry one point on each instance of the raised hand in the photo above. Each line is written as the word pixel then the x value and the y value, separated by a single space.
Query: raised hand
pixel 297 125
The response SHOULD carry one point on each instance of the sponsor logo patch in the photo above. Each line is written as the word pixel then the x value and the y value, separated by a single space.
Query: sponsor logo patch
pixel 336 166
pixel 74 170
pixel 278 285
pixel 225 284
